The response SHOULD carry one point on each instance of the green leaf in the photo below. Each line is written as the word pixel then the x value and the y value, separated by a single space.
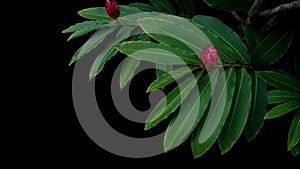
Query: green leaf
pixel 294 132
pixel 86 29
pixel 280 79
pixel 163 6
pixel 239 111
pixel 171 102
pixel 296 150
pixel 209 128
pixel 99 13
pixel 191 111
pixel 93 42
pixel 271 48
pixel 186 7
pixel 258 108
pixel 156 53
pixel 162 69
pixel 75 56
pixel 253 37
pixel 280 96
pixel 282 109
pixel 230 46
pixel 230 5
pixel 109 49
pixel 128 69
pixel 172 26
pixel 143 6
pixel 169 77
pixel 83 25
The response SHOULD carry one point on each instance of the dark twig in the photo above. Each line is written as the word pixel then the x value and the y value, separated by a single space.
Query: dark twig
pixel 236 16
pixel 271 23
pixel 257 7
pixel 280 9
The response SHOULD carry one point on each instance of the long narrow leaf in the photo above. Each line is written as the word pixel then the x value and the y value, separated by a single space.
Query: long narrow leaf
pixel 280 80
pixel 294 132
pixel 191 111
pixel 280 96
pixel 296 150
pixel 253 37
pixel 128 69
pixel 258 108
pixel 282 109
pixel 203 138
pixel 168 78
pixel 239 111
pixel 230 45
pixel 171 102
pixel 171 27
pixel 271 48
pixel 156 53
pixel 109 49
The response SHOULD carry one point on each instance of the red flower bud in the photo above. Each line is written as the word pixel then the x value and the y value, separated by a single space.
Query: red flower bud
pixel 112 9
pixel 209 56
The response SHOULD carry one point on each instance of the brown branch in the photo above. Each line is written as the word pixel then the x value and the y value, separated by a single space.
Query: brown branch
pixel 271 23
pixel 280 9
pixel 257 7
pixel 236 16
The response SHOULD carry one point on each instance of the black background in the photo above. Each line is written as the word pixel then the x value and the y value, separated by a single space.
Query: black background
pixel 54 135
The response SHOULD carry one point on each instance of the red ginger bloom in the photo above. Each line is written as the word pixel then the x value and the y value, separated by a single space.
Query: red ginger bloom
pixel 209 56
pixel 112 9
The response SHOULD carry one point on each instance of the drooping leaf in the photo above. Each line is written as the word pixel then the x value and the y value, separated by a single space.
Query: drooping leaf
pixel 230 46
pixel 258 108
pixel 171 102
pixel 163 6
pixel 230 5
pixel 169 77
pixel 272 48
pixel 143 6
pixel 156 53
pixel 128 69
pixel 253 37
pixel 282 109
pixel 209 128
pixel 93 42
pixel 109 49
pixel 294 132
pixel 99 13
pixel 280 79
pixel 82 25
pixel 191 111
pixel 280 96
pixel 86 29
pixel 186 7
pixel 296 149
pixel 239 111
pixel 162 69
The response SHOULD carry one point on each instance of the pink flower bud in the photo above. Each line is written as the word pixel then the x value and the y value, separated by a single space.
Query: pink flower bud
pixel 112 9
pixel 209 56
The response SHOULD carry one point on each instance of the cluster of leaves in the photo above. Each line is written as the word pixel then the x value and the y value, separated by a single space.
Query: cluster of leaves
pixel 248 70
